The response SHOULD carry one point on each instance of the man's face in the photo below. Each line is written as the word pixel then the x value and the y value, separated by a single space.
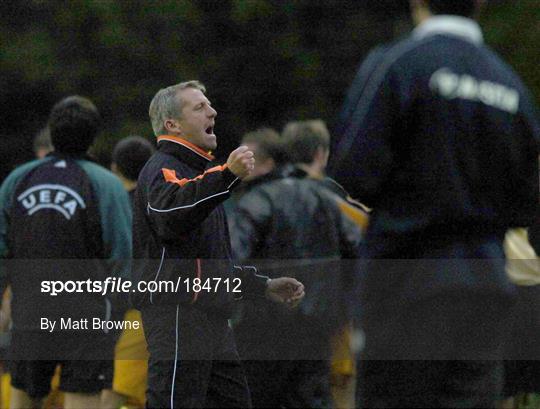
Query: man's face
pixel 197 119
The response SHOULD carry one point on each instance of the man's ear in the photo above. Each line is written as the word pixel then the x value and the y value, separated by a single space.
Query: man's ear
pixel 321 155
pixel 172 127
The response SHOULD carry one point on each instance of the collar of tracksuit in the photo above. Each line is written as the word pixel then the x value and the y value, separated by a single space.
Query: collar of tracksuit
pixel 74 156
pixel 184 151
pixel 462 27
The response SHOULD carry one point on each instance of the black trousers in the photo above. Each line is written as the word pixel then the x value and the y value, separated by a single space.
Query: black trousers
pixel 286 357
pixel 193 360
pixel 442 352
pixel 289 384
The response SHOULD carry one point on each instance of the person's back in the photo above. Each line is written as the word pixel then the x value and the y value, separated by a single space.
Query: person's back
pixel 459 139
pixel 457 149
pixel 55 220
pixel 306 235
pixel 64 228
pixel 293 217
pixel 440 138
pixel 293 224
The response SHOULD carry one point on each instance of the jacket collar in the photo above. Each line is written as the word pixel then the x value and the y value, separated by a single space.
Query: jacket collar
pixel 450 25
pixel 184 151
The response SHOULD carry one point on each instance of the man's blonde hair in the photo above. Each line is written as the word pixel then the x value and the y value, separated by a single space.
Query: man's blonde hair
pixel 167 104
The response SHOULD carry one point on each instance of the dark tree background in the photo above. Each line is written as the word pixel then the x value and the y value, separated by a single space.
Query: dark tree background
pixel 264 61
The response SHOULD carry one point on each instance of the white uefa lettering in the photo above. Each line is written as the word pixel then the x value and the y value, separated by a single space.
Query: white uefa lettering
pixel 45 196
pixel 486 93
pixel 60 197
pixel 70 206
pixel 451 85
pixel 29 202
pixel 66 201
pixel 468 87
pixel 499 92
pixel 510 101
pixel 446 82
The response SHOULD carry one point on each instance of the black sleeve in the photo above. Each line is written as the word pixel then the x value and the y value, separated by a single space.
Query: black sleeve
pixel 179 206
pixel 363 157
pixel 253 283
pixel 248 224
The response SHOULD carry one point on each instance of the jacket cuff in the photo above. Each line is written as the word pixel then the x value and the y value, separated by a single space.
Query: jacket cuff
pixel 230 179
pixel 253 284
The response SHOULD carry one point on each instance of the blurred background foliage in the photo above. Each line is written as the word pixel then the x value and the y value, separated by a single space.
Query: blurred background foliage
pixel 264 62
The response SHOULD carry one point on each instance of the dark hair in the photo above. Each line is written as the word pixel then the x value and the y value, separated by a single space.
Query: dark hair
pixel 464 8
pixel 130 155
pixel 269 145
pixel 303 138
pixel 74 124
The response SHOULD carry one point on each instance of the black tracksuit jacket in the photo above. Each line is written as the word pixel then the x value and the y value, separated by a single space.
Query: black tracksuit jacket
pixel 180 230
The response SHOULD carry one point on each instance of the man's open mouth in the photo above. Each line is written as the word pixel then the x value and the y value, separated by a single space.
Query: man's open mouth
pixel 210 130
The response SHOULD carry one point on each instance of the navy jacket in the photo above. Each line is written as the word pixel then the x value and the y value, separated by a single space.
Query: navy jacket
pixel 180 230
pixel 440 137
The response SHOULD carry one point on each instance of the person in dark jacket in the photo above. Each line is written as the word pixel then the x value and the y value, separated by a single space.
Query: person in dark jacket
pixel 439 137
pixel 63 219
pixel 181 237
pixel 294 223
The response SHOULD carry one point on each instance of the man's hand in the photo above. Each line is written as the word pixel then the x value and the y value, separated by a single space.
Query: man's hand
pixel 241 162
pixel 285 290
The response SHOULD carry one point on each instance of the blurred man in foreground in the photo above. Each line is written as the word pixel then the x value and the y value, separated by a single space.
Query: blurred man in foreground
pixel 440 138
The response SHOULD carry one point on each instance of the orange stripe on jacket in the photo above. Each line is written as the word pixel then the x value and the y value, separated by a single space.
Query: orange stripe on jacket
pixel 170 175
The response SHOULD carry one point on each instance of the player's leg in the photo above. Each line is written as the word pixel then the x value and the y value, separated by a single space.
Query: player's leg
pixel 83 380
pixel 30 383
pixel 130 368
pixel 180 342
pixel 228 386
pixel 81 400
pixel 21 400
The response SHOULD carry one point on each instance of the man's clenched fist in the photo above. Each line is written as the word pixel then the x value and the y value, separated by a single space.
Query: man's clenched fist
pixel 241 162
